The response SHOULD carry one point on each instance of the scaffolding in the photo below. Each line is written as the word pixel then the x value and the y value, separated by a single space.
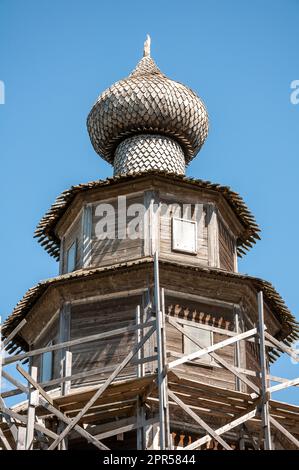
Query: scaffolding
pixel 153 403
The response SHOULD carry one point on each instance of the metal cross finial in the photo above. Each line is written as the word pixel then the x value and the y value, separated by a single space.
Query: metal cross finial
pixel 147 46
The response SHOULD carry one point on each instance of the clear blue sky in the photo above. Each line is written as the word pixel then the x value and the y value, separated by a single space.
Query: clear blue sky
pixel 240 57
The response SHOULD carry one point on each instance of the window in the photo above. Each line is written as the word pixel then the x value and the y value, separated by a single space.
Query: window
pixel 71 257
pixel 184 235
pixel 47 365
pixel 205 339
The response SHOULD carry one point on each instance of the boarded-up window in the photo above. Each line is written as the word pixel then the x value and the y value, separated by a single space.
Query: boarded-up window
pixel 71 257
pixel 184 235
pixel 205 339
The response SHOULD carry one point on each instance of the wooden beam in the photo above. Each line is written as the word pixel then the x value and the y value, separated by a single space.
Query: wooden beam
pixel 227 427
pixel 215 347
pixel 200 421
pixel 12 427
pixel 237 347
pixel 215 356
pixel 67 372
pixel 74 342
pixel 214 329
pixel 32 403
pixel 286 433
pixel 101 390
pixel 161 379
pixel 4 441
pixel 46 401
pixel 21 441
pixel 23 420
pixel 33 382
pixel 287 384
pixel 79 375
pixel 168 439
pixel 140 367
pixel 122 429
pixel 263 364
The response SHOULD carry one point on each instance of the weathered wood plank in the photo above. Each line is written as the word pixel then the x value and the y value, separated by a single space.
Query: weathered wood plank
pixel 101 390
pixel 284 431
pixel 200 421
pixel 223 429
pixel 87 339
pixel 216 356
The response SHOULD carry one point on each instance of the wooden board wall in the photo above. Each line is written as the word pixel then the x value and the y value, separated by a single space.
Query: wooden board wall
pixel 112 249
pixel 98 317
pixel 226 246
pixel 199 313
pixel 174 209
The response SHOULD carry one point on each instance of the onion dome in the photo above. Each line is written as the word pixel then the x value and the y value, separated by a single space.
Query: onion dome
pixel 148 121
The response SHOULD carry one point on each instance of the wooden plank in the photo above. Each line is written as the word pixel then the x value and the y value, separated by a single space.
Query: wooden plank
pixel 101 390
pixel 199 298
pixel 33 382
pixel 23 419
pixel 140 367
pixel 15 382
pixel 67 372
pixel 123 429
pixel 282 386
pixel 32 403
pixel 168 440
pixel 284 431
pixel 237 346
pixel 21 442
pixel 46 400
pixel 5 442
pixel 161 355
pixel 12 427
pixel 215 356
pixel 227 427
pixel 265 395
pixel 215 347
pixel 140 373
pixel 200 421
pixel 66 344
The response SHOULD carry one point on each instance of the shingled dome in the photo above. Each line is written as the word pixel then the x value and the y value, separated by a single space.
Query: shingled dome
pixel 147 102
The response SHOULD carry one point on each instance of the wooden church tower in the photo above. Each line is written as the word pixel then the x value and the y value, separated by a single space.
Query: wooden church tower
pixel 149 337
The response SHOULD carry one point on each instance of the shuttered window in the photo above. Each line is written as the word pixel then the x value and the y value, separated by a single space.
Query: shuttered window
pixel 205 339
pixel 184 235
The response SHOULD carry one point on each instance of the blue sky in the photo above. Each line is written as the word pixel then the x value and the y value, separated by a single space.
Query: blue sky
pixel 240 57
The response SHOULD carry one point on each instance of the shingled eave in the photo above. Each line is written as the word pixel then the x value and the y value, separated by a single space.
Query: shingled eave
pixel 45 231
pixel 272 297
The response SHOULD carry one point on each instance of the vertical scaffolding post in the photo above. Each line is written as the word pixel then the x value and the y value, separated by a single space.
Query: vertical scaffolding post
pixel 168 441
pixel 263 364
pixel 162 384
pixel 33 401
pixel 140 373
pixel 237 347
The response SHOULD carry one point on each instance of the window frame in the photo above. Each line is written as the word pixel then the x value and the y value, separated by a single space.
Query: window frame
pixel 42 364
pixel 174 242
pixel 72 245
pixel 206 360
